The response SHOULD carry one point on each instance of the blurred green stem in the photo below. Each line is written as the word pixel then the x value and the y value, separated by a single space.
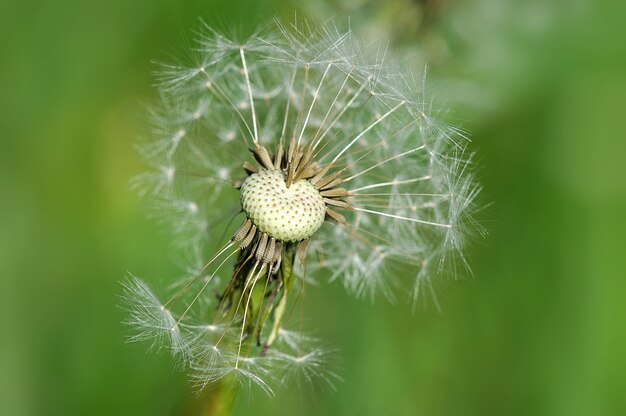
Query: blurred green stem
pixel 217 400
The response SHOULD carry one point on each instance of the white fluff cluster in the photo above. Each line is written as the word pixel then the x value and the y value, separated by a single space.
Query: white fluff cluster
pixel 409 189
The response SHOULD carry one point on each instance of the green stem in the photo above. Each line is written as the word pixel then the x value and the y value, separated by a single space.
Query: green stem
pixel 216 400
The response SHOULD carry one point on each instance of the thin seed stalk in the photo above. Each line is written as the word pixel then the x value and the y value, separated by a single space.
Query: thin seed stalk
pixel 257 291
pixel 267 298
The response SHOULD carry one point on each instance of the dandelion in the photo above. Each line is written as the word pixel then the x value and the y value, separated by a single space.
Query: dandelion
pixel 328 163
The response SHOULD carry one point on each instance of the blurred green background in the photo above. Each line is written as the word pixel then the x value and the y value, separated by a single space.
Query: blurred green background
pixel 539 330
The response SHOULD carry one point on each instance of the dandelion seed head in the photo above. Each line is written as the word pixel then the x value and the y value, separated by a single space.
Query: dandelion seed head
pixel 298 149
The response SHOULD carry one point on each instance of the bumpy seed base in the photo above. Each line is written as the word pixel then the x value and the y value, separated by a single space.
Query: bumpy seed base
pixel 287 214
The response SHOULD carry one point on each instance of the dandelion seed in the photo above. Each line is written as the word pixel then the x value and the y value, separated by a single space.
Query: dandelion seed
pixel 336 168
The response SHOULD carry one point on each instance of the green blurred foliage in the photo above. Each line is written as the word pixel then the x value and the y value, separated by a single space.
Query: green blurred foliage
pixel 540 329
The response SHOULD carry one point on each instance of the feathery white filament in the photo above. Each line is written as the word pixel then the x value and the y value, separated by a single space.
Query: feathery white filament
pixel 371 126
pixel 391 183
pixel 247 76
pixel 398 156
pixel 317 92
pixel 341 113
pixel 399 217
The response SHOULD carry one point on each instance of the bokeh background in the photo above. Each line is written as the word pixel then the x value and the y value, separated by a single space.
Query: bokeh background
pixel 539 330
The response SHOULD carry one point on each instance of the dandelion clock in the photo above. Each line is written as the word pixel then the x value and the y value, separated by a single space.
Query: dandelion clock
pixel 292 156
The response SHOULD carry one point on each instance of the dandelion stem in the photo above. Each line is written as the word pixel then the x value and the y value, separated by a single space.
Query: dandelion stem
pixel 219 400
